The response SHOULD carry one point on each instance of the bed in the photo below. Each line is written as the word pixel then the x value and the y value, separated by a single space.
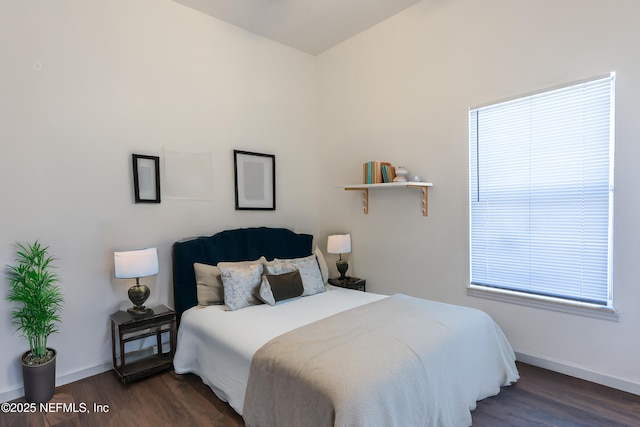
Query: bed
pixel 337 357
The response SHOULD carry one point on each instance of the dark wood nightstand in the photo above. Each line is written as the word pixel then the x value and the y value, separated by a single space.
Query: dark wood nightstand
pixel 350 283
pixel 125 327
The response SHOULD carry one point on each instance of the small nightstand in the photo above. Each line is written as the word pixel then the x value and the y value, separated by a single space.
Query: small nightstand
pixel 126 327
pixel 350 283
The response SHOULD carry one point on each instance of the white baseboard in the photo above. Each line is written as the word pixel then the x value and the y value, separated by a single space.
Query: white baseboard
pixel 79 374
pixel 11 393
pixel 577 371
pixel 560 366
pixel 17 391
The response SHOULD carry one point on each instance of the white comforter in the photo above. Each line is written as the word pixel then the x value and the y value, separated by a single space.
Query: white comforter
pixel 218 345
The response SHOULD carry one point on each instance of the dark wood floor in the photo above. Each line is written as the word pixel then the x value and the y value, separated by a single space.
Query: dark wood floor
pixel 545 398
pixel 540 398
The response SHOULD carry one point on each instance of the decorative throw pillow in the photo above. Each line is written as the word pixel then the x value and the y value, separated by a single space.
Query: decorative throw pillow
pixel 279 267
pixel 324 270
pixel 260 260
pixel 208 284
pixel 280 287
pixel 209 288
pixel 309 271
pixel 240 285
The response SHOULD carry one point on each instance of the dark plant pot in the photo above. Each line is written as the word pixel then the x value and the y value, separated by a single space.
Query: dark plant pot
pixel 40 380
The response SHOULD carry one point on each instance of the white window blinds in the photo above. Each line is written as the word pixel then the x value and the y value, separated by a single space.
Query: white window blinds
pixel 541 190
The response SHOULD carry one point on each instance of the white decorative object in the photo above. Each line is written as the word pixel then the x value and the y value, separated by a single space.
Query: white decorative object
pixel 401 174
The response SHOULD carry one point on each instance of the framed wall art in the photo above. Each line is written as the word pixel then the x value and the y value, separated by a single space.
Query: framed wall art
pixel 146 178
pixel 255 179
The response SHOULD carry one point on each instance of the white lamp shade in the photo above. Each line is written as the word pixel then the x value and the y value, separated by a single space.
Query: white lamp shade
pixel 135 264
pixel 339 244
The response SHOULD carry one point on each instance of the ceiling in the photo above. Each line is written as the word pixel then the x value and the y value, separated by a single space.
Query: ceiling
pixel 312 26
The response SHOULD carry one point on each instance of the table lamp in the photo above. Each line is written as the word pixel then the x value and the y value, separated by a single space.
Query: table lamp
pixel 340 244
pixel 137 264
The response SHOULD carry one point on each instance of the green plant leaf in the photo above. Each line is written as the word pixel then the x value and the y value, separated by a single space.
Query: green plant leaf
pixel 33 286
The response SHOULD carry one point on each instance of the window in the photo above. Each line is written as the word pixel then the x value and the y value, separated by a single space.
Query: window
pixel 541 193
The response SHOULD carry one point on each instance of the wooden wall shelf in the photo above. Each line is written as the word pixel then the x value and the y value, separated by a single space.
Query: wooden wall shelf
pixel 423 186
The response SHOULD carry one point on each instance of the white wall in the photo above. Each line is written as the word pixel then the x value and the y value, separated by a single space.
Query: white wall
pixel 86 83
pixel 401 91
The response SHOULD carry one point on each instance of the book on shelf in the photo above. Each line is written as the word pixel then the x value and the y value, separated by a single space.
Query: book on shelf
pixel 388 173
pixel 372 172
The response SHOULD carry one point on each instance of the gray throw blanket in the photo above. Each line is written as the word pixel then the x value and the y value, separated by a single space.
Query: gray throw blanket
pixel 400 361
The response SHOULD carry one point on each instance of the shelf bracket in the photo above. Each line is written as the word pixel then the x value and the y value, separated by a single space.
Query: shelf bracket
pixel 365 198
pixel 425 198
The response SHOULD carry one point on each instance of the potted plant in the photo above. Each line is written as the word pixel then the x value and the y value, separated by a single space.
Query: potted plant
pixel 33 286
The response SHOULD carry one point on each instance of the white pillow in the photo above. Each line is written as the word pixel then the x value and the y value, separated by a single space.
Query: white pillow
pixel 241 284
pixel 324 270
pixel 309 271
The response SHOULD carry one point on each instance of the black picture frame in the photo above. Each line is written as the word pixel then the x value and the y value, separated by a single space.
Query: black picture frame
pixel 255 180
pixel 146 178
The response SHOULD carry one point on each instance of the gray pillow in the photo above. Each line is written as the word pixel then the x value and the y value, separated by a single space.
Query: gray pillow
pixel 240 285
pixel 309 271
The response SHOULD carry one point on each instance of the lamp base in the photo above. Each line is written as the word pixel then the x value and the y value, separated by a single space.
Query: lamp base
pixel 342 266
pixel 138 294
pixel 140 310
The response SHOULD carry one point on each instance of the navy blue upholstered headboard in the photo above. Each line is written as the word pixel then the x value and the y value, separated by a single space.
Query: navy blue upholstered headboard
pixel 242 244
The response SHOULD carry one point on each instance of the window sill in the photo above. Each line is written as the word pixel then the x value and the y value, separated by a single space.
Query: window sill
pixel 547 303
